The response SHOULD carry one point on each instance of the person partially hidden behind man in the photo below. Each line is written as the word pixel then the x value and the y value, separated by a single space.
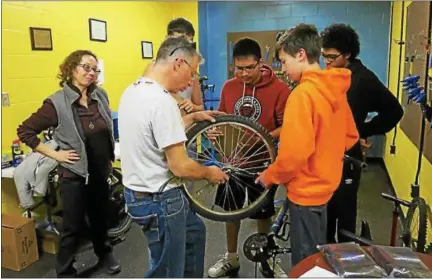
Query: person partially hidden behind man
pixel 152 134
pixel 190 99
pixel 317 128
pixel 256 93
pixel 366 94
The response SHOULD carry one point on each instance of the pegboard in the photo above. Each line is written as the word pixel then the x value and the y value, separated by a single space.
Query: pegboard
pixel 418 32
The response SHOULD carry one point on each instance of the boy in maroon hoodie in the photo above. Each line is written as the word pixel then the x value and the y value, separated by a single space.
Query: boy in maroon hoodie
pixel 255 92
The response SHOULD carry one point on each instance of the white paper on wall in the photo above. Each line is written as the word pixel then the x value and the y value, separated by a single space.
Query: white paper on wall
pixel 98 30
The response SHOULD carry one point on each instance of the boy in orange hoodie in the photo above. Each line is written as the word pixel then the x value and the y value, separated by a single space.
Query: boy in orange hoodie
pixel 317 128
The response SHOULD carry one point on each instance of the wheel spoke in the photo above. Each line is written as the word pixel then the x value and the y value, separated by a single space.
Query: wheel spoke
pixel 244 146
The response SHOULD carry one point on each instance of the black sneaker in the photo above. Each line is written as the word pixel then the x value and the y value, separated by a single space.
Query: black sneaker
pixel 110 263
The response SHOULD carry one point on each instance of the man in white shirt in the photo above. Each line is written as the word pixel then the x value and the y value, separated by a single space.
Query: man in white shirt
pixel 152 134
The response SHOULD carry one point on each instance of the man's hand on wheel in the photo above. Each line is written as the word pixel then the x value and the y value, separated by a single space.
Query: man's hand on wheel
pixel 207 115
pixel 261 179
pixel 216 175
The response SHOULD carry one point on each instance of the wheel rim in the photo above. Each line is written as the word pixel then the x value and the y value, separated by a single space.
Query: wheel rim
pixel 118 215
pixel 414 229
pixel 241 148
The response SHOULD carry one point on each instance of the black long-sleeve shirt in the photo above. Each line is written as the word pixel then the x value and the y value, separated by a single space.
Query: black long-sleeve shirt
pixel 367 94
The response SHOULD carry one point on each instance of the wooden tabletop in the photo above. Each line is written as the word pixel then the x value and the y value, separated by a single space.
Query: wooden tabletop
pixel 318 260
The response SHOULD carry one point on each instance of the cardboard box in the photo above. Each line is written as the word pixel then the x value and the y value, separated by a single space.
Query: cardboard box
pixel 19 243
pixel 10 200
pixel 48 241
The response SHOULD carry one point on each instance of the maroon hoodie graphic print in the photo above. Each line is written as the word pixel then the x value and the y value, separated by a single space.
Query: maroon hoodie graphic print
pixel 263 102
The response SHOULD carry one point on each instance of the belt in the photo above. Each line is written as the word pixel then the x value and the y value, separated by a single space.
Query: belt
pixel 144 194
pixel 149 194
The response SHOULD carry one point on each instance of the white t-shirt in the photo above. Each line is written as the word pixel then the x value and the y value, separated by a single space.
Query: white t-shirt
pixel 149 121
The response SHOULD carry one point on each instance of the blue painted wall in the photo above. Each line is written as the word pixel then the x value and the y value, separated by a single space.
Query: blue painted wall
pixel 370 19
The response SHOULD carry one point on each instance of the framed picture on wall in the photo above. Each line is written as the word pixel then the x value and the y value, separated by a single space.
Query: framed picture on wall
pixel 98 30
pixel 41 38
pixel 146 50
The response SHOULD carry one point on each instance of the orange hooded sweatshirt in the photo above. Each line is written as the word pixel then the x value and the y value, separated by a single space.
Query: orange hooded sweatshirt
pixel 317 128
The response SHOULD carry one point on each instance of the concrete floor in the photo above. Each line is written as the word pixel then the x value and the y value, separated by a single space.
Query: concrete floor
pixel 134 256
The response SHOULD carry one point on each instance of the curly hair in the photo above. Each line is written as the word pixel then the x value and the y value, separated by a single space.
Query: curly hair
pixel 70 63
pixel 343 38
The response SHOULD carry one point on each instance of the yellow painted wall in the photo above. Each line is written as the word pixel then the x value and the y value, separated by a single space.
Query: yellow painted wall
pixel 29 76
pixel 402 167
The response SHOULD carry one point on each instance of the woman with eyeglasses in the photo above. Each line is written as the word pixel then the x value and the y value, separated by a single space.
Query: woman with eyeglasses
pixel 366 94
pixel 83 128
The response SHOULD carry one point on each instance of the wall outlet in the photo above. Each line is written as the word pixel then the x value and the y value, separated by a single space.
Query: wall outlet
pixel 5 99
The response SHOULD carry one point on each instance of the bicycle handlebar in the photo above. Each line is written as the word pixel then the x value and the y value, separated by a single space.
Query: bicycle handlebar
pixel 396 200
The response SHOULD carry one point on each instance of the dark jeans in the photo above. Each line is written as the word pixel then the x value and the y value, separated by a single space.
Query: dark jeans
pixel 342 207
pixel 175 235
pixel 308 229
pixel 77 200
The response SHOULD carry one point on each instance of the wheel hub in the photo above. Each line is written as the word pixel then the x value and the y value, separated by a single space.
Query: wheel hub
pixel 255 246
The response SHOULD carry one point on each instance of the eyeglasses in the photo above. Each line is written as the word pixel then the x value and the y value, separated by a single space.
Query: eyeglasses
pixel 194 74
pixel 192 44
pixel 88 68
pixel 330 57
pixel 246 68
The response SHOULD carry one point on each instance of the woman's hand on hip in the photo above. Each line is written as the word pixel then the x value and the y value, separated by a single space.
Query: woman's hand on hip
pixel 66 156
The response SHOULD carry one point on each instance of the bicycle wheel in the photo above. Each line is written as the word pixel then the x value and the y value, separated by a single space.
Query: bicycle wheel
pixel 244 149
pixel 119 221
pixel 415 227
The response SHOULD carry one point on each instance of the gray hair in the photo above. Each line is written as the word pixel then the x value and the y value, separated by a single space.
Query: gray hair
pixel 175 47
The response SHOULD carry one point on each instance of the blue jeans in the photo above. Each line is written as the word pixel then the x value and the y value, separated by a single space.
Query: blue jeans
pixel 175 234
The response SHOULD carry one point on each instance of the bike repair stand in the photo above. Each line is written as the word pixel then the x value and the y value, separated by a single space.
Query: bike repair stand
pixel 204 88
pixel 417 94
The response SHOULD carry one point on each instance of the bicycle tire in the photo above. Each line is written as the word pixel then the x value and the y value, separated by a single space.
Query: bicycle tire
pixel 126 222
pixel 422 231
pixel 121 229
pixel 265 196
